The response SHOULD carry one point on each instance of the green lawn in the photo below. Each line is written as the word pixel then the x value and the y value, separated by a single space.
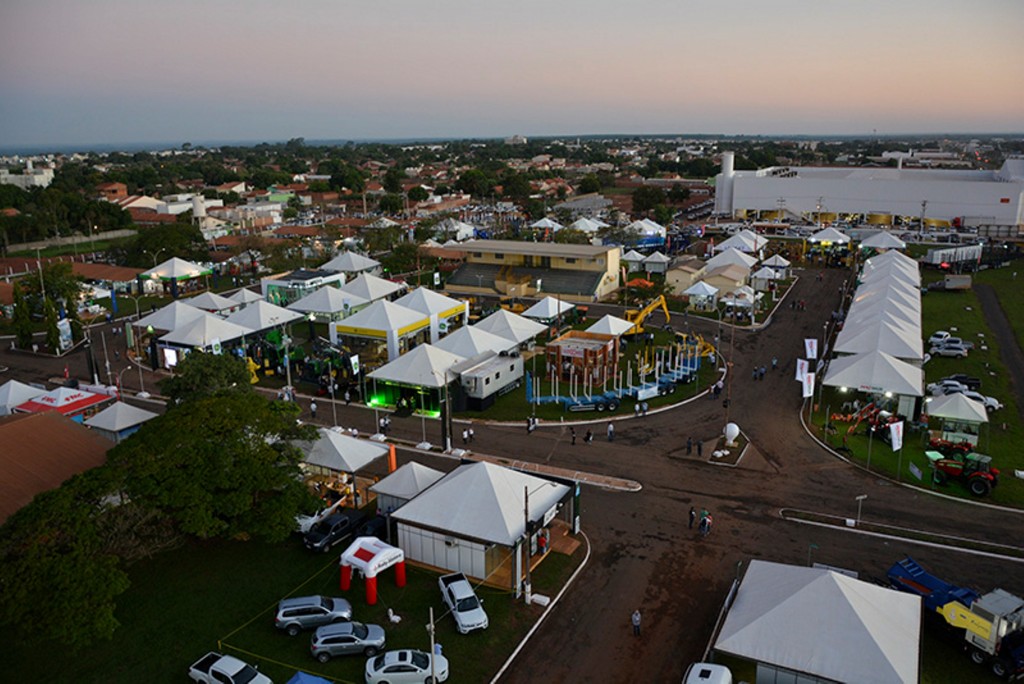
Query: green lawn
pixel 1006 286
pixel 222 595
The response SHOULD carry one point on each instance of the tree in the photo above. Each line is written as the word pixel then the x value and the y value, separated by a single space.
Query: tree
pixel 391 204
pixel 646 197
pixel 221 466
pixel 50 323
pixel 22 318
pixel 475 182
pixel 571 236
pixel 393 180
pixel 662 214
pixel 177 240
pixel 590 183
pixel 516 186
pixel 417 194
pixel 200 375
pixel 678 194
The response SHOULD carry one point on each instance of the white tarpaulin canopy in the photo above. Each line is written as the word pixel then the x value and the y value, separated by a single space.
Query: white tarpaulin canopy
pixel 386 316
pixel 547 223
pixel 587 225
pixel 511 326
pixel 328 300
pixel 408 481
pixel 633 258
pixel 344 453
pixel 883 239
pixel 371 287
pixel 744 241
pixel 899 341
pixel 203 332
pixel 424 366
pixel 175 269
pixel 431 303
pixel 350 262
pixel 611 325
pixel 776 261
pixel 212 302
pixel 482 501
pixel 171 317
pixel 13 393
pixel 263 315
pixel 830 234
pixel 957 407
pixel 119 416
pixel 730 257
pixel 876 372
pixel 825 624
pixel 701 289
pixel 246 296
pixel 548 308
pixel 765 273
pixel 469 341
pixel 646 227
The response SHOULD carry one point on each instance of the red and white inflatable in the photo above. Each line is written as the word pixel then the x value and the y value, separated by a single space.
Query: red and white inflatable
pixel 371 557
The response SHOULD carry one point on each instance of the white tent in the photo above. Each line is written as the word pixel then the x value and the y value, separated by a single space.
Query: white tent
pixel 548 309
pixel 13 393
pixel 729 257
pixel 611 325
pixel 743 297
pixel 262 315
pixel 119 416
pixel 657 263
pixel 892 257
pixel 350 262
pixel 745 241
pixel 888 312
pixel 899 341
pixel 876 372
pixel 171 317
pixel 371 287
pixel 440 308
pixel 245 296
pixel 461 230
pixel 204 332
pixel 761 278
pixel 424 366
pixel 830 235
pixel 511 326
pixel 337 451
pixel 212 302
pixel 701 289
pixel 546 223
pixel 883 239
pixel 175 269
pixel 383 319
pixel 483 502
pixel 779 263
pixel 587 225
pixel 633 260
pixel 329 302
pixel 824 624
pixel 957 407
pixel 404 484
pixel 470 341
pixel 647 227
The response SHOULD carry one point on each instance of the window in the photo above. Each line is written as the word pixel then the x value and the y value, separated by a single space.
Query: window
pixel 499 256
pixel 570 260
pixel 478 254
pixel 487 381
pixel 497 375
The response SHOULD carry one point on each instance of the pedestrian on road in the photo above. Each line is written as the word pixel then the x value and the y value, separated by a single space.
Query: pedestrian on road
pixel 381 427
pixel 712 393
pixel 312 408
pixel 700 447
pixel 572 436
pixel 589 437
pixel 636 622
pixel 348 397
pixel 764 371
pixel 636 410
pixel 387 424
pixel 472 434
pixel 465 437
pixel 689 445
pixel 693 516
pixel 611 432
pixel 643 409
pixel 775 363
pixel 753 374
pixel 117 355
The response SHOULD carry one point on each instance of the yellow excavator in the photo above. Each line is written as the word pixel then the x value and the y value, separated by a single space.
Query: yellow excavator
pixel 638 316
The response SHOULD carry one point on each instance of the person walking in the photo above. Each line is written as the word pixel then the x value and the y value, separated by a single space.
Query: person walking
pixel 636 622
pixel 643 409
pixel 636 410
pixel 693 516
pixel 465 437
pixel 312 408
pixel 589 437
pixel 572 435
pixel 689 445
pixel 775 363
pixel 348 397
pixel 472 435
pixel 700 447
pixel 611 432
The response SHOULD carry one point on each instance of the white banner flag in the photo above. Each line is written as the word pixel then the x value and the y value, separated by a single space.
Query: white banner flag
pixel 811 346
pixel 808 385
pixel 802 366
pixel 915 471
pixel 896 432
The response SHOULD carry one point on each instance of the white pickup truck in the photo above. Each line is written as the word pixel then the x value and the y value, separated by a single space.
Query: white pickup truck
pixel 462 600
pixel 214 668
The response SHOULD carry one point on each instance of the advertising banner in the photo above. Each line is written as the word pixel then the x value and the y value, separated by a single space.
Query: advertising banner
pixel 811 347
pixel 896 432
pixel 802 366
pixel 808 385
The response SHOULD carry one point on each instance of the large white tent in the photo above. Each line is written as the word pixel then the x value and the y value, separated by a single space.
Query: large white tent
pixel 830 235
pixel 175 269
pixel 119 420
pixel 204 332
pixel 460 229
pixel 745 241
pixel 883 239
pixel 383 320
pixel 263 315
pixel 957 407
pixel 657 263
pixel 611 325
pixel 424 366
pixel 876 372
pixel 350 262
pixel 546 223
pixel 548 309
pixel 371 287
pixel 899 341
pixel 403 485
pixel 440 308
pixel 634 260
pixel 823 624
pixel 212 302
pixel 511 326
pixel 469 341
pixel 13 393
pixel 171 317
pixel 329 303
pixel 336 451
pixel 245 296
pixel 731 256
pixel 587 225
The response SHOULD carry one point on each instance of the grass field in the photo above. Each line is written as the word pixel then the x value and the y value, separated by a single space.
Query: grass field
pixel 222 596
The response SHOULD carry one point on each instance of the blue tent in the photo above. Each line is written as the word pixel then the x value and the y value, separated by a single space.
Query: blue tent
pixel 304 678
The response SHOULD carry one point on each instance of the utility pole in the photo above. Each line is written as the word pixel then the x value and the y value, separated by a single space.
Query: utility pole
pixel 527 593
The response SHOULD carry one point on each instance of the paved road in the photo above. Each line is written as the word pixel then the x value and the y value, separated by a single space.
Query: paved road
pixel 643 554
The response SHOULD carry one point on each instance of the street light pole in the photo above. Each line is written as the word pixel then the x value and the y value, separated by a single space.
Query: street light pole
pixel 860 500
pixel 527 589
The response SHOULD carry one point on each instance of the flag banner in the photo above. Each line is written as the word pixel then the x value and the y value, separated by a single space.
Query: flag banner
pixel 896 432
pixel 808 385
pixel 915 471
pixel 811 347
pixel 802 366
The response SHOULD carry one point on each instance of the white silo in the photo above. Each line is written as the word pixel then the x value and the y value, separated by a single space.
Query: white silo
pixel 723 185
pixel 198 207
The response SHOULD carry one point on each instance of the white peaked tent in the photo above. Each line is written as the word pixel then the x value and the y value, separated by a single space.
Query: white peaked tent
pixel 470 341
pixel 729 257
pixel 656 263
pixel 647 227
pixel 831 235
pixel 263 315
pixel 350 262
pixel 611 325
pixel 548 309
pixel 825 624
pixel 901 342
pixel 745 241
pixel 461 230
pixel 13 393
pixel 329 303
pixel 546 223
pixel 891 257
pixel 586 225
pixel 634 260
pixel 336 451
pixel 171 317
pixel 424 366
pixel 876 372
pixel 246 296
pixel 383 319
pixel 908 319
pixel 440 308
pixel 883 239
pixel 371 287
pixel 119 416
pixel 175 269
pixel 761 278
pixel 898 275
pixel 403 485
pixel 204 332
pixel 742 297
pixel 483 502
pixel 779 263
pixel 212 302
pixel 957 407
pixel 511 326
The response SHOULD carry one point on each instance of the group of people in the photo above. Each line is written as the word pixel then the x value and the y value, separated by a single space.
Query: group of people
pixel 468 435
pixel 704 526
pixel 384 424
pixel 690 443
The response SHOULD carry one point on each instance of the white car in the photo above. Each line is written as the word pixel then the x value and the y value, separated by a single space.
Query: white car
pixel 405 665
pixel 990 403
pixel 937 389
pixel 938 337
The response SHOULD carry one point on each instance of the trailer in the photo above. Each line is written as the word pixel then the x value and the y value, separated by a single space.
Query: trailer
pixel 992 624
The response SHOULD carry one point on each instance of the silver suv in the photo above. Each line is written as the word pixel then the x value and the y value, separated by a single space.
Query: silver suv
pixel 346 638
pixel 306 612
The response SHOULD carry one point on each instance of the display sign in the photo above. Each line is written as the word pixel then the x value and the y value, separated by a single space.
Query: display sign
pixel 802 366
pixel 808 385
pixel 896 432
pixel 64 334
pixel 354 360
pixel 811 346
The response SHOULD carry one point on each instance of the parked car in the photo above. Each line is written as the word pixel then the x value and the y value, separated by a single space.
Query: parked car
pixel 964 379
pixel 376 526
pixel 937 389
pixel 954 341
pixel 949 350
pixel 346 638
pixel 466 607
pixel 305 523
pixel 214 668
pixel 333 530
pixel 405 665
pixel 938 337
pixel 307 612
pixel 990 403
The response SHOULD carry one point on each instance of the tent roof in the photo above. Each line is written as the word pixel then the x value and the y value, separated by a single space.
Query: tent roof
pixel 170 317
pixel 341 452
pixel 482 501
pixel 633 255
pixel 776 261
pixel 824 623
pixel 211 301
pixel 511 326
pixel 900 341
pixel 587 225
pixel 895 257
pixel 306 678
pixel 203 331
pixel 327 300
pixel 830 234
pixel 424 366
pixel 729 257
pixel 371 556
pixel 957 407
pixel 371 287
pixel 430 303
pixel 876 371
pixel 765 273
pixel 119 416
pixel 548 308
pixel 64 400
pixel 13 393
pixel 384 315
pixel 744 241
pixel 657 258
pixel 610 325
pixel 245 296
pixel 408 481
pixel 646 227
pixel 701 289
pixel 468 341
pixel 175 269
pixel 547 223
pixel 350 262
pixel 883 239
pixel 261 315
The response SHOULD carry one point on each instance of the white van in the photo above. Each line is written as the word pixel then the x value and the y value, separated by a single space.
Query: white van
pixel 707 673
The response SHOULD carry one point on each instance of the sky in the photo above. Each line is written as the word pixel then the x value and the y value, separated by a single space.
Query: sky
pixel 127 71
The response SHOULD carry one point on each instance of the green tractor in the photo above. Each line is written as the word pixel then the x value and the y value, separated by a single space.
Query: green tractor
pixel 974 470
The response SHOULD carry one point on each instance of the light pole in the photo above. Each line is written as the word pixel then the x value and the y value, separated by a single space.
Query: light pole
pixel 120 386
pixel 860 501
pixel 155 254
pixel 527 536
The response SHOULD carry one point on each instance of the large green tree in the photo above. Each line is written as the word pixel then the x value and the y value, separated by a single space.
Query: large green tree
pixel 646 197
pixel 200 375
pixel 160 243
pixel 22 318
pixel 220 466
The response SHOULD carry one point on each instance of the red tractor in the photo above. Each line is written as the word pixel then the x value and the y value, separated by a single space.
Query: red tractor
pixel 974 470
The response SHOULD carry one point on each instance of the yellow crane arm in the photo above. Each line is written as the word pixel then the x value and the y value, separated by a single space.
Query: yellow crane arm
pixel 959 615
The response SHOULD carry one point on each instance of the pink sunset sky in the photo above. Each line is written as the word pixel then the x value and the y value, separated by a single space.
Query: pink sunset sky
pixel 110 71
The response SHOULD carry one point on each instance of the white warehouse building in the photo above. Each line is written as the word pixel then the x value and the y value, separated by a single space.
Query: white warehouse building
pixel 978 198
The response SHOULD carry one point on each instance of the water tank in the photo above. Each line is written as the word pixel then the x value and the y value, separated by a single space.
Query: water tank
pixel 723 185
pixel 198 207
